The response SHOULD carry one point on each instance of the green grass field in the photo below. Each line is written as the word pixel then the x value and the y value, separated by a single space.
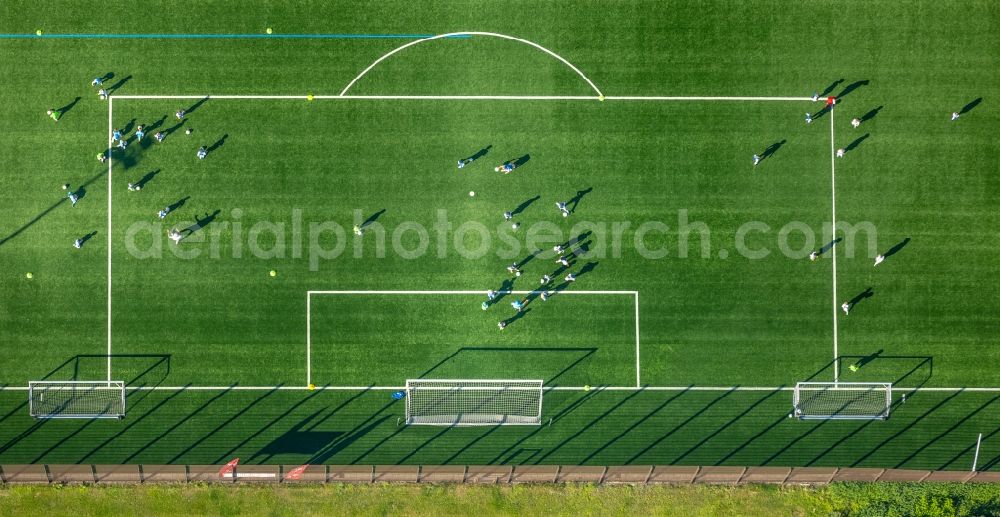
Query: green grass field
pixel 847 499
pixel 730 312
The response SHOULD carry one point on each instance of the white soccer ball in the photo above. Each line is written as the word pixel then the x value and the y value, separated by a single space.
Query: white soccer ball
pixel 138 187
pixel 472 194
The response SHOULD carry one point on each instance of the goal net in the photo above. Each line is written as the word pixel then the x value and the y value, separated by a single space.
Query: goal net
pixel 473 402
pixel 842 400
pixel 76 399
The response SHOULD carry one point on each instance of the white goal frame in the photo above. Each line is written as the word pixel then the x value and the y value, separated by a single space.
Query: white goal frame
pixel 847 410
pixel 492 408
pixel 66 408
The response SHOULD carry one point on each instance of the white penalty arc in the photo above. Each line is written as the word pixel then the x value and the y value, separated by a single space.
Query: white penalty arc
pixel 489 34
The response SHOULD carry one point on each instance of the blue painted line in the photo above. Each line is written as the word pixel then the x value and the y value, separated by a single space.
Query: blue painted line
pixel 222 36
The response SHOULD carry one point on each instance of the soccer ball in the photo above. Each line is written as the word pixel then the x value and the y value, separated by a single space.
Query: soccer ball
pixel 601 98
pixel 586 388
pixel 138 187
pixel 496 169
pixel 273 273
pixel 309 97
pixel 38 32
pixel 268 30
pixel 312 386
pixel 472 194
pixel 29 275
pixel 65 186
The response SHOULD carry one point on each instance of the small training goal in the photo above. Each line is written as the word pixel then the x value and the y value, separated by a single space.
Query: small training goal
pixel 842 400
pixel 76 399
pixel 461 402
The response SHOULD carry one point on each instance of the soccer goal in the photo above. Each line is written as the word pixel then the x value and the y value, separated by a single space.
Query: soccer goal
pixel 459 402
pixel 76 399
pixel 842 400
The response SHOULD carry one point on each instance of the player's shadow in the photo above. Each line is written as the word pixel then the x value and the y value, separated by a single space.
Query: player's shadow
pixel 851 87
pixel 107 77
pixel 524 206
pixel 65 109
pixel 372 218
pixel 864 295
pixel 85 238
pixel 587 268
pixel 80 193
pixel 121 82
pixel 823 111
pixel 170 130
pixel 150 130
pixel 575 200
pixel 177 204
pixel 857 141
pixel 156 125
pixel 528 258
pixel 48 210
pixel 519 161
pixel 829 246
pixel 191 109
pixel 517 317
pixel 575 240
pixel 201 223
pixel 127 128
pixel 829 89
pixel 871 114
pixel 968 107
pixel 771 149
pixel 479 154
pixel 895 249
pixel 147 178
pixel 218 143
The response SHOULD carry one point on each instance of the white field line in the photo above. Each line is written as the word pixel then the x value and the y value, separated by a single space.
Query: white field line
pixel 944 389
pixel 470 292
pixel 483 293
pixel 833 208
pixel 308 338
pixel 464 97
pixel 110 132
pixel 490 34
pixel 638 378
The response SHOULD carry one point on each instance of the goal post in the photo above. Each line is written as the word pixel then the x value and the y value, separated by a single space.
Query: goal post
pixel 76 399
pixel 465 402
pixel 842 400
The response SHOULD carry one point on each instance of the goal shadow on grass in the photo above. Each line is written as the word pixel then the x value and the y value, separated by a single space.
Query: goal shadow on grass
pixel 903 371
pixel 575 356
pixel 137 370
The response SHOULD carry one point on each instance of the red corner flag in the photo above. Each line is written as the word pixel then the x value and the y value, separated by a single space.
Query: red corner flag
pixel 228 467
pixel 296 473
pixel 830 101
